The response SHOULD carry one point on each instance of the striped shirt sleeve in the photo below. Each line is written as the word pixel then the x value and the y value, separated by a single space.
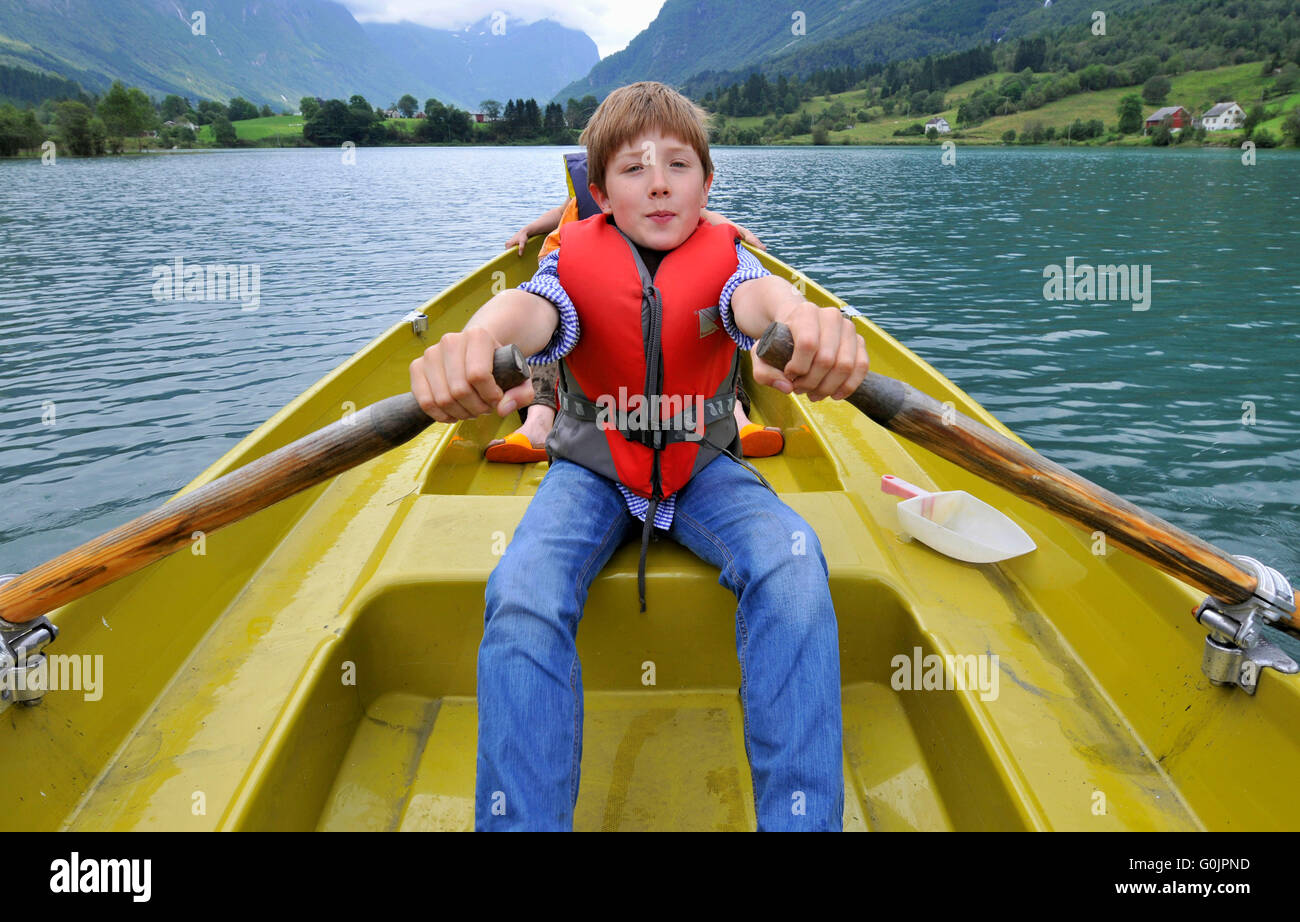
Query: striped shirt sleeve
pixel 747 269
pixel 546 284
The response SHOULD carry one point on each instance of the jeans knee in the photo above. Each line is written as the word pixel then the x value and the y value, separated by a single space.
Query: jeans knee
pixel 517 610
pixel 806 553
pixel 801 559
pixel 796 587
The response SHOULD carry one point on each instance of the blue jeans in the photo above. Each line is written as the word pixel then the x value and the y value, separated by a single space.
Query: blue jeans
pixel 530 706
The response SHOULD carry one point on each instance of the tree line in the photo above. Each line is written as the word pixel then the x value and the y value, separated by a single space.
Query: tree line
pixel 21 86
pixel 88 125
pixel 519 121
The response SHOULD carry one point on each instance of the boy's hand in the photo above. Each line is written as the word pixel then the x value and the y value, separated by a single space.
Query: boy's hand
pixel 748 237
pixel 830 356
pixel 453 380
pixel 745 234
pixel 519 240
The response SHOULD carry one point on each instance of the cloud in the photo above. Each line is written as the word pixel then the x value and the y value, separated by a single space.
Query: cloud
pixel 610 23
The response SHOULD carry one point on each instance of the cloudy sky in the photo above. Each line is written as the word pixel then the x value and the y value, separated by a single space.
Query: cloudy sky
pixel 610 23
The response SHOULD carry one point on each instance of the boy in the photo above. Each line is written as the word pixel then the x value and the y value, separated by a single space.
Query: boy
pixel 621 327
pixel 521 446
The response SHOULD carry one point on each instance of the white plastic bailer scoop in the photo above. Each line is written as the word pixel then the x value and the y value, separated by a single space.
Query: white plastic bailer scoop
pixel 957 524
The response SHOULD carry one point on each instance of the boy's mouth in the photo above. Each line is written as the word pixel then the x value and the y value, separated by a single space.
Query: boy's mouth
pixel 661 217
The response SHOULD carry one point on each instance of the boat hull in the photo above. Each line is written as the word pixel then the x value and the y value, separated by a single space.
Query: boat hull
pixel 313 667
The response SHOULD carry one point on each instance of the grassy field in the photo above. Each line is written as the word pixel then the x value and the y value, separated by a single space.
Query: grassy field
pixel 286 127
pixel 260 129
pixel 1196 90
pixel 1274 125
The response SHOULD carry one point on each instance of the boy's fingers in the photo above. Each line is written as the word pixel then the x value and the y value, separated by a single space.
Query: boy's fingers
pixel 479 356
pixel 828 353
pixel 436 374
pixel 459 388
pixel 766 374
pixel 845 365
pixel 825 352
pixel 519 396
pixel 861 365
pixel 804 332
pixel 423 394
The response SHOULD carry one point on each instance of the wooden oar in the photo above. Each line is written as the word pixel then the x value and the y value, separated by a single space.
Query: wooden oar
pixel 919 418
pixel 319 456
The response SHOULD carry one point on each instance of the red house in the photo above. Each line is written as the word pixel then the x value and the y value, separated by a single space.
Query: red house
pixel 1179 118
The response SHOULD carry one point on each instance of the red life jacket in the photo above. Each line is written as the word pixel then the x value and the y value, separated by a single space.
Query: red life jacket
pixel 642 339
pixel 646 396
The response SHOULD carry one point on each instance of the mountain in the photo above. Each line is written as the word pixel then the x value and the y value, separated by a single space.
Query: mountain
pixel 938 28
pixel 277 51
pixel 689 36
pixel 700 45
pixel 269 51
pixel 478 63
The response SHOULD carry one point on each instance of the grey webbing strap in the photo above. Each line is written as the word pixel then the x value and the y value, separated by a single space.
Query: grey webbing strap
pixel 646 530
pixel 577 407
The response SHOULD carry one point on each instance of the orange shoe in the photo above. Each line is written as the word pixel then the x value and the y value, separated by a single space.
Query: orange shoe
pixel 759 442
pixel 514 449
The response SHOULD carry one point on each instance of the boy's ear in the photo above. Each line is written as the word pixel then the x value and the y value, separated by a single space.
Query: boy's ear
pixel 600 198
pixel 708 184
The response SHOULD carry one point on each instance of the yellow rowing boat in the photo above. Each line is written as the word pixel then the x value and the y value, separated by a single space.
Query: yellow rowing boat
pixel 313 666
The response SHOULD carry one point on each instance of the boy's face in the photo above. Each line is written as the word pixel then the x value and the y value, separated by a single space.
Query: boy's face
pixel 656 190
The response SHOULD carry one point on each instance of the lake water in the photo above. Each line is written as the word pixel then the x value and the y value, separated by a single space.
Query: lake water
pixel 1190 407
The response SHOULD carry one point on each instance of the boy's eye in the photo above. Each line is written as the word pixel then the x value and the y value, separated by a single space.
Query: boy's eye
pixel 675 162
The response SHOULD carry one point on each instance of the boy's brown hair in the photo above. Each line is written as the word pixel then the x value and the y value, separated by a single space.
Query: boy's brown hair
pixel 632 109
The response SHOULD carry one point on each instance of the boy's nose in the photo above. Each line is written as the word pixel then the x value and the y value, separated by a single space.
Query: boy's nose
pixel 658 180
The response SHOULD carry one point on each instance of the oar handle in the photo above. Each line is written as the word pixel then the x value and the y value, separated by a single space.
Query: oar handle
pixel 338 447
pixel 903 409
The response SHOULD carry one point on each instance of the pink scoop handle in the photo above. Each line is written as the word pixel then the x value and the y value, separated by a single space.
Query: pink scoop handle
pixel 897 486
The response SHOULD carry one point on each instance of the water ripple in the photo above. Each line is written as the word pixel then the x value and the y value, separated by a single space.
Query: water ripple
pixel 1190 408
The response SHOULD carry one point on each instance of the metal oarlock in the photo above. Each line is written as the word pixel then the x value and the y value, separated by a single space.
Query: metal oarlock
pixel 21 659
pixel 1235 648
pixel 418 321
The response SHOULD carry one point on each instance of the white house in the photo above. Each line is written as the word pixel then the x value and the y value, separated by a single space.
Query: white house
pixel 1223 117
pixel 939 124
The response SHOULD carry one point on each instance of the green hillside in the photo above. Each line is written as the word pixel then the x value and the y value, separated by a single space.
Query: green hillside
pixel 1196 90
pixel 937 28
pixel 1283 106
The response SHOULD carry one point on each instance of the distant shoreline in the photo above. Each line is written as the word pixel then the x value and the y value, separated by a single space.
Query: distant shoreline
pixel 1234 145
